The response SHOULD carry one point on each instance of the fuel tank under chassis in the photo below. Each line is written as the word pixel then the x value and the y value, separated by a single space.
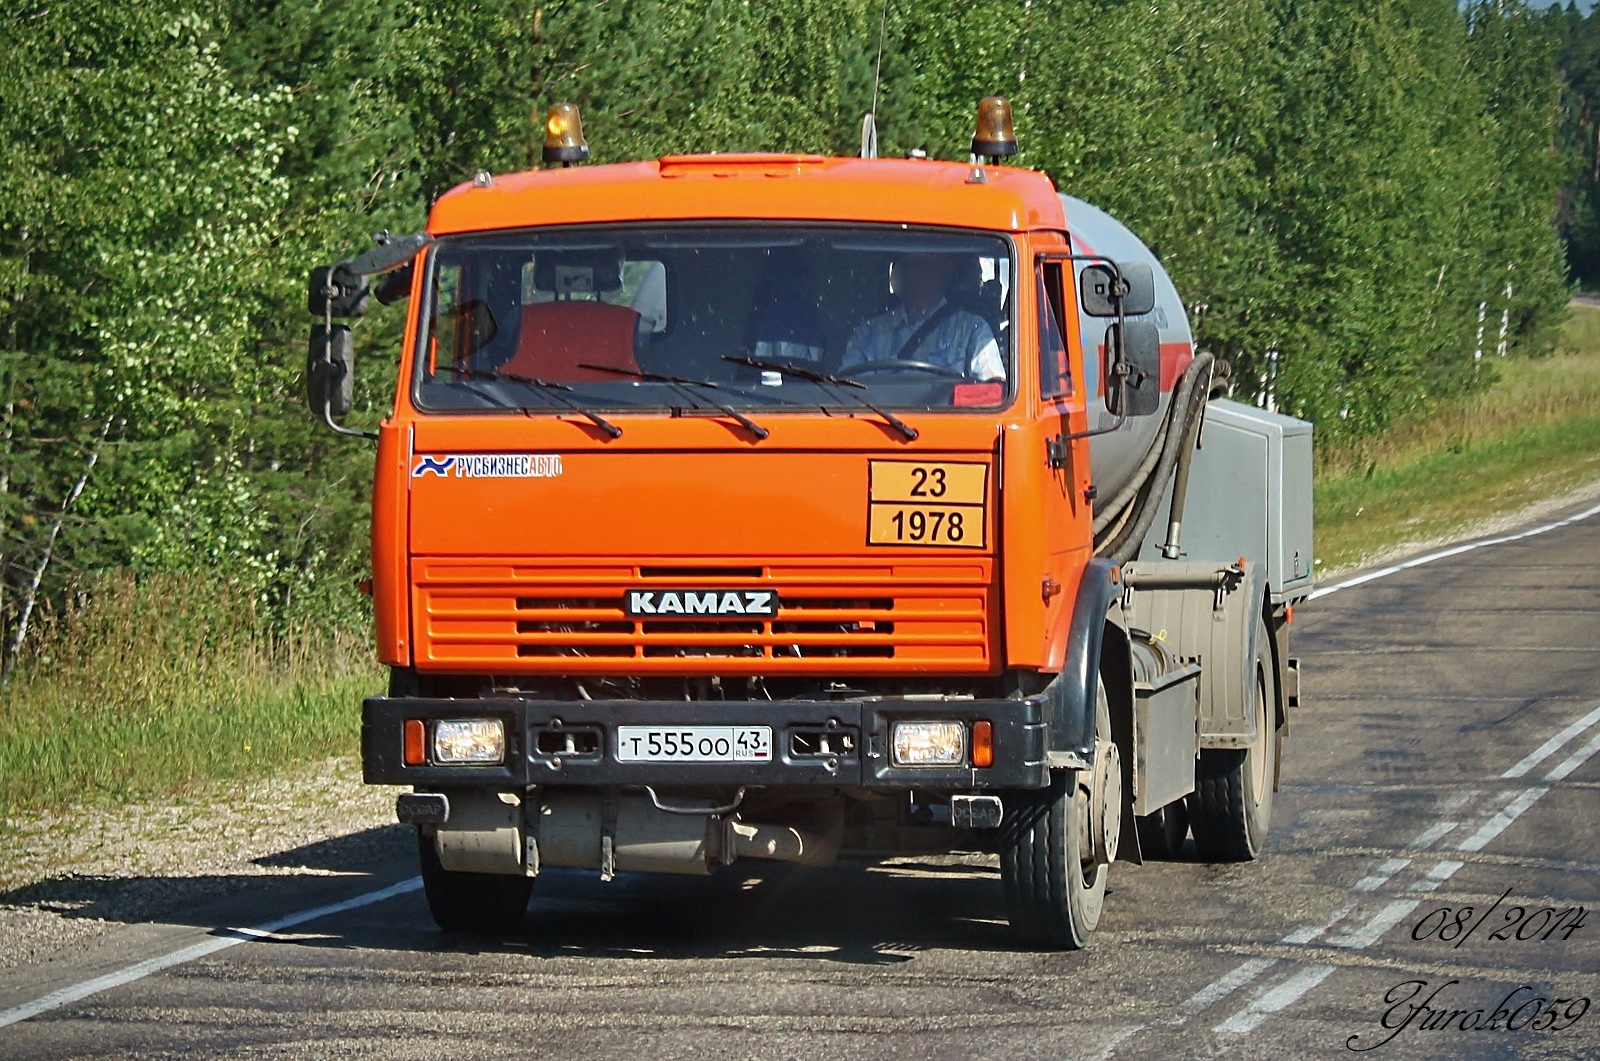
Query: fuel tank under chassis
pixel 1115 456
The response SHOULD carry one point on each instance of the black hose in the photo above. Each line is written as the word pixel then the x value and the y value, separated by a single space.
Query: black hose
pixel 1172 548
pixel 1188 398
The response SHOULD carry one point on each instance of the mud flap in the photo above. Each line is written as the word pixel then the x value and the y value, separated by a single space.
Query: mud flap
pixel 1205 613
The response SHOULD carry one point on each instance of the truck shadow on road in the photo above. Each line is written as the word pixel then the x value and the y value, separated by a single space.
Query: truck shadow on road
pixel 857 911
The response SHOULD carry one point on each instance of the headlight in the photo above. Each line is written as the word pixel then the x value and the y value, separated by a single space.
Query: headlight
pixel 930 744
pixel 469 740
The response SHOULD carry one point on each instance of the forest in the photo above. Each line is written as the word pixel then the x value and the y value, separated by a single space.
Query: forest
pixel 1364 204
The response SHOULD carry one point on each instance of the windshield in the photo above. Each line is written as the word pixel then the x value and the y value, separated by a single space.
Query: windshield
pixel 639 318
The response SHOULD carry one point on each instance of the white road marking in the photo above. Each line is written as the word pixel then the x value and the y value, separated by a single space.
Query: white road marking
pixel 231 938
pixel 1377 925
pixel 1437 876
pixel 1227 984
pixel 1388 868
pixel 1575 760
pixel 1431 835
pixel 1107 1051
pixel 1302 936
pixel 1443 554
pixel 1270 1000
pixel 1553 745
pixel 1497 825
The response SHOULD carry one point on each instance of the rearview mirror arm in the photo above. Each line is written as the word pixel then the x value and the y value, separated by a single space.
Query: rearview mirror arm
pixel 327 419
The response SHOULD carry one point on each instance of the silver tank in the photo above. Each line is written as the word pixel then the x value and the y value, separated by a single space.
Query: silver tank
pixel 1115 456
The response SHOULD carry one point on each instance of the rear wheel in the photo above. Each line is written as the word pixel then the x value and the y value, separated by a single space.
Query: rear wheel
pixel 1055 885
pixel 1231 807
pixel 488 904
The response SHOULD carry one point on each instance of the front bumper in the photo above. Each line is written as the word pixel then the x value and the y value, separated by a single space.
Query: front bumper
pixel 807 737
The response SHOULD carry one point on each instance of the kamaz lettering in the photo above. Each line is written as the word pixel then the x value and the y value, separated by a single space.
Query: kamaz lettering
pixel 760 603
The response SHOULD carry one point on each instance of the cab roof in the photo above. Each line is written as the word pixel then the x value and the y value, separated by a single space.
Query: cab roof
pixel 775 187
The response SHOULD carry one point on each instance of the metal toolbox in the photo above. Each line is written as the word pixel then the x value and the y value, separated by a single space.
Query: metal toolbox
pixel 1250 496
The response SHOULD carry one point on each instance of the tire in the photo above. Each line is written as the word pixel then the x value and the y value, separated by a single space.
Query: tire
pixel 1054 890
pixel 482 904
pixel 1161 835
pixel 1231 806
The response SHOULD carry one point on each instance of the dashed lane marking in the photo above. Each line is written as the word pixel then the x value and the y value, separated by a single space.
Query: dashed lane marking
pixel 1553 745
pixel 1272 999
pixel 1498 824
pixel 1501 810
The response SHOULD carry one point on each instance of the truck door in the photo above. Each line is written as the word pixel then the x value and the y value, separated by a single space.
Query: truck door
pixel 1062 411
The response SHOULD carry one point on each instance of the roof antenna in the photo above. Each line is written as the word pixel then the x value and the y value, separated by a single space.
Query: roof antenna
pixel 869 124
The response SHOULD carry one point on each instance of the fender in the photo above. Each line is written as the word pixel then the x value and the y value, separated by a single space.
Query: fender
pixel 1070 696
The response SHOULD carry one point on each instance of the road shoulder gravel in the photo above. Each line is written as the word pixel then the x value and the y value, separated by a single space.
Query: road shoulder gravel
pixel 68 878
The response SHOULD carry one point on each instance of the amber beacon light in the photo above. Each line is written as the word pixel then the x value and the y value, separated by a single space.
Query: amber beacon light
pixel 994 137
pixel 563 135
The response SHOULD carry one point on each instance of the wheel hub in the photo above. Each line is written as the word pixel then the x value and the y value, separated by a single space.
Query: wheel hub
pixel 1105 802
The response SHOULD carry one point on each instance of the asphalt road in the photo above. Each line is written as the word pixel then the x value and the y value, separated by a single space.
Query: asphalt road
pixel 1444 759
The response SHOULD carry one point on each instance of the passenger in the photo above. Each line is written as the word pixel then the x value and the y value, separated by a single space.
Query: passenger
pixel 926 327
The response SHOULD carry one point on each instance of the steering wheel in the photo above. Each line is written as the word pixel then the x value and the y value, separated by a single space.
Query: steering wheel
pixel 869 367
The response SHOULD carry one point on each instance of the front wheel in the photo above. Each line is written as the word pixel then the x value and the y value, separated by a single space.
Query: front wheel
pixel 1231 806
pixel 485 904
pixel 1055 885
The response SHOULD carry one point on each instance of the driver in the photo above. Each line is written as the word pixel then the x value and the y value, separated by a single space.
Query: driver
pixel 925 327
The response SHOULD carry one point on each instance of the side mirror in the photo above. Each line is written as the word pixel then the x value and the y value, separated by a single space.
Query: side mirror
pixel 334 290
pixel 394 287
pixel 330 371
pixel 1099 287
pixel 1133 384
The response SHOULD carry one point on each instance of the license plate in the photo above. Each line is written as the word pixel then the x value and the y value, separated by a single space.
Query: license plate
pixel 694 744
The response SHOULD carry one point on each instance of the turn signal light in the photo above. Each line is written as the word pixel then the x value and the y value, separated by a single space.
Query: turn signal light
pixel 416 752
pixel 563 135
pixel 994 136
pixel 982 744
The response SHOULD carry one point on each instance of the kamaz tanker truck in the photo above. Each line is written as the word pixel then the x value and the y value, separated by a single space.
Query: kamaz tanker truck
pixel 759 506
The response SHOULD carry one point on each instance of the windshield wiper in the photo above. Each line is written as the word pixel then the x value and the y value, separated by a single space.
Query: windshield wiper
pixel 544 386
pixel 839 382
pixel 683 386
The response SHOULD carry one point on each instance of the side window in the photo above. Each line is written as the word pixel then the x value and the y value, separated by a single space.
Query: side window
pixel 447 338
pixel 1055 373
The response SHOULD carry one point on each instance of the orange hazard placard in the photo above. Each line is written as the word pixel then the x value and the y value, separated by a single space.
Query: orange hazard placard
pixel 927 503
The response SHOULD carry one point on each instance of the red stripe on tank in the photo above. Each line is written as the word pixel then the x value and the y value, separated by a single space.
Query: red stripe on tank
pixel 1175 359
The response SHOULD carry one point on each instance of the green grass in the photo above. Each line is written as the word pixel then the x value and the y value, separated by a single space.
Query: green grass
pixel 1534 434
pixel 166 683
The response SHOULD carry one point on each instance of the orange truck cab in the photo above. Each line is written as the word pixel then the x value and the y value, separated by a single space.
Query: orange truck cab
pixel 768 506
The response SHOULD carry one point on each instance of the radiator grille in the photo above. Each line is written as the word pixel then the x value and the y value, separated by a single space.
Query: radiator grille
pixel 903 617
